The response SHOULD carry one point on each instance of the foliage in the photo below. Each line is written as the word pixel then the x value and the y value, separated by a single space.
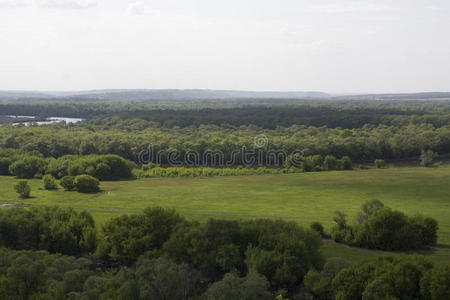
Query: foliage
pixel 379 163
pixel 127 237
pixel 427 158
pixel 49 182
pixel 4 165
pixel 252 287
pixel 319 283
pixel 86 184
pixel 27 167
pixel 316 226
pixel 68 183
pixel 379 227
pixel 23 189
pixel 385 278
pixel 53 229
pixel 434 284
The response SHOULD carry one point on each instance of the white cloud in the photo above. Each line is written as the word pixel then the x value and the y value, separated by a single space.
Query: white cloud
pixel 13 3
pixel 66 3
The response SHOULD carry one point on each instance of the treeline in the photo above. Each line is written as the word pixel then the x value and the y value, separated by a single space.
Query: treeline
pixel 267 114
pixel 158 254
pixel 103 167
pixel 129 139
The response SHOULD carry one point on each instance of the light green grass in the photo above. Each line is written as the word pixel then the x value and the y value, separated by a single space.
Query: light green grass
pixel 303 197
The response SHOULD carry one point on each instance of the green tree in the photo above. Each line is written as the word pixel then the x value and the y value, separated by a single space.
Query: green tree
pixel 23 189
pixel 68 183
pixel 4 165
pixel 427 158
pixel 379 163
pixel 49 182
pixel 86 184
pixel 252 287
pixel 435 283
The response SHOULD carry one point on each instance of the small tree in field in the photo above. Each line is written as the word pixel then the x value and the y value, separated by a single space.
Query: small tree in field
pixel 427 157
pixel 380 163
pixel 86 184
pixel 49 182
pixel 23 189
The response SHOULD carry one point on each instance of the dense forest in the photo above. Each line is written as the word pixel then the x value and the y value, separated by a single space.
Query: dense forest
pixel 364 131
pixel 160 255
pixel 56 253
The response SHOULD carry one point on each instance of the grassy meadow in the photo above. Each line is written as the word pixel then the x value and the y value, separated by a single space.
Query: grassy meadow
pixel 302 197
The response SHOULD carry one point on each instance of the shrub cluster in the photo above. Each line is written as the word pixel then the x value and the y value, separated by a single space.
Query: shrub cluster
pixel 407 277
pixel 102 167
pixel 379 227
pixel 56 230
pixel 281 251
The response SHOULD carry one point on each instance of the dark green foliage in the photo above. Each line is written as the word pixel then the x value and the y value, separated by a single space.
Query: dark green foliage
pixel 319 283
pixel 427 158
pixel 281 251
pixel 49 182
pixel 28 167
pixel 345 163
pixel 68 183
pixel 363 131
pixel 38 275
pixel 385 278
pixel 435 283
pixel 330 163
pixel 316 226
pixel 86 184
pixel 251 287
pixel 214 248
pixel 379 227
pixel 4 165
pixel 127 237
pixel 54 229
pixel 379 163
pixel 23 189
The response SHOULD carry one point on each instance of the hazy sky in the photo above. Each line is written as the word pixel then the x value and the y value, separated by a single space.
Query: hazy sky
pixel 333 46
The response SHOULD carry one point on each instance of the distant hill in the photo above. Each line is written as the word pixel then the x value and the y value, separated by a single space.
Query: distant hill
pixel 199 94
pixel 400 96
pixel 152 95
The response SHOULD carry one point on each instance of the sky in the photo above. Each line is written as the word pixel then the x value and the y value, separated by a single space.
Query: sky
pixel 335 46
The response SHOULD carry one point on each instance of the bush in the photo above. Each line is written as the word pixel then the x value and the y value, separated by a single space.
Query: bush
pixel 384 278
pixel 57 230
pixel 346 163
pixel 330 163
pixel 28 167
pixel 23 189
pixel 379 227
pixel 379 163
pixel 435 284
pixel 253 287
pixel 316 226
pixel 49 182
pixel 4 165
pixel 427 157
pixel 86 184
pixel 68 183
pixel 129 236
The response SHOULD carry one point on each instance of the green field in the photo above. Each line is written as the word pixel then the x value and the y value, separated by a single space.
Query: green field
pixel 302 197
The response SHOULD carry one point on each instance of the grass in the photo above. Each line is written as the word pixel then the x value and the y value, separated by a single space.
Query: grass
pixel 303 198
